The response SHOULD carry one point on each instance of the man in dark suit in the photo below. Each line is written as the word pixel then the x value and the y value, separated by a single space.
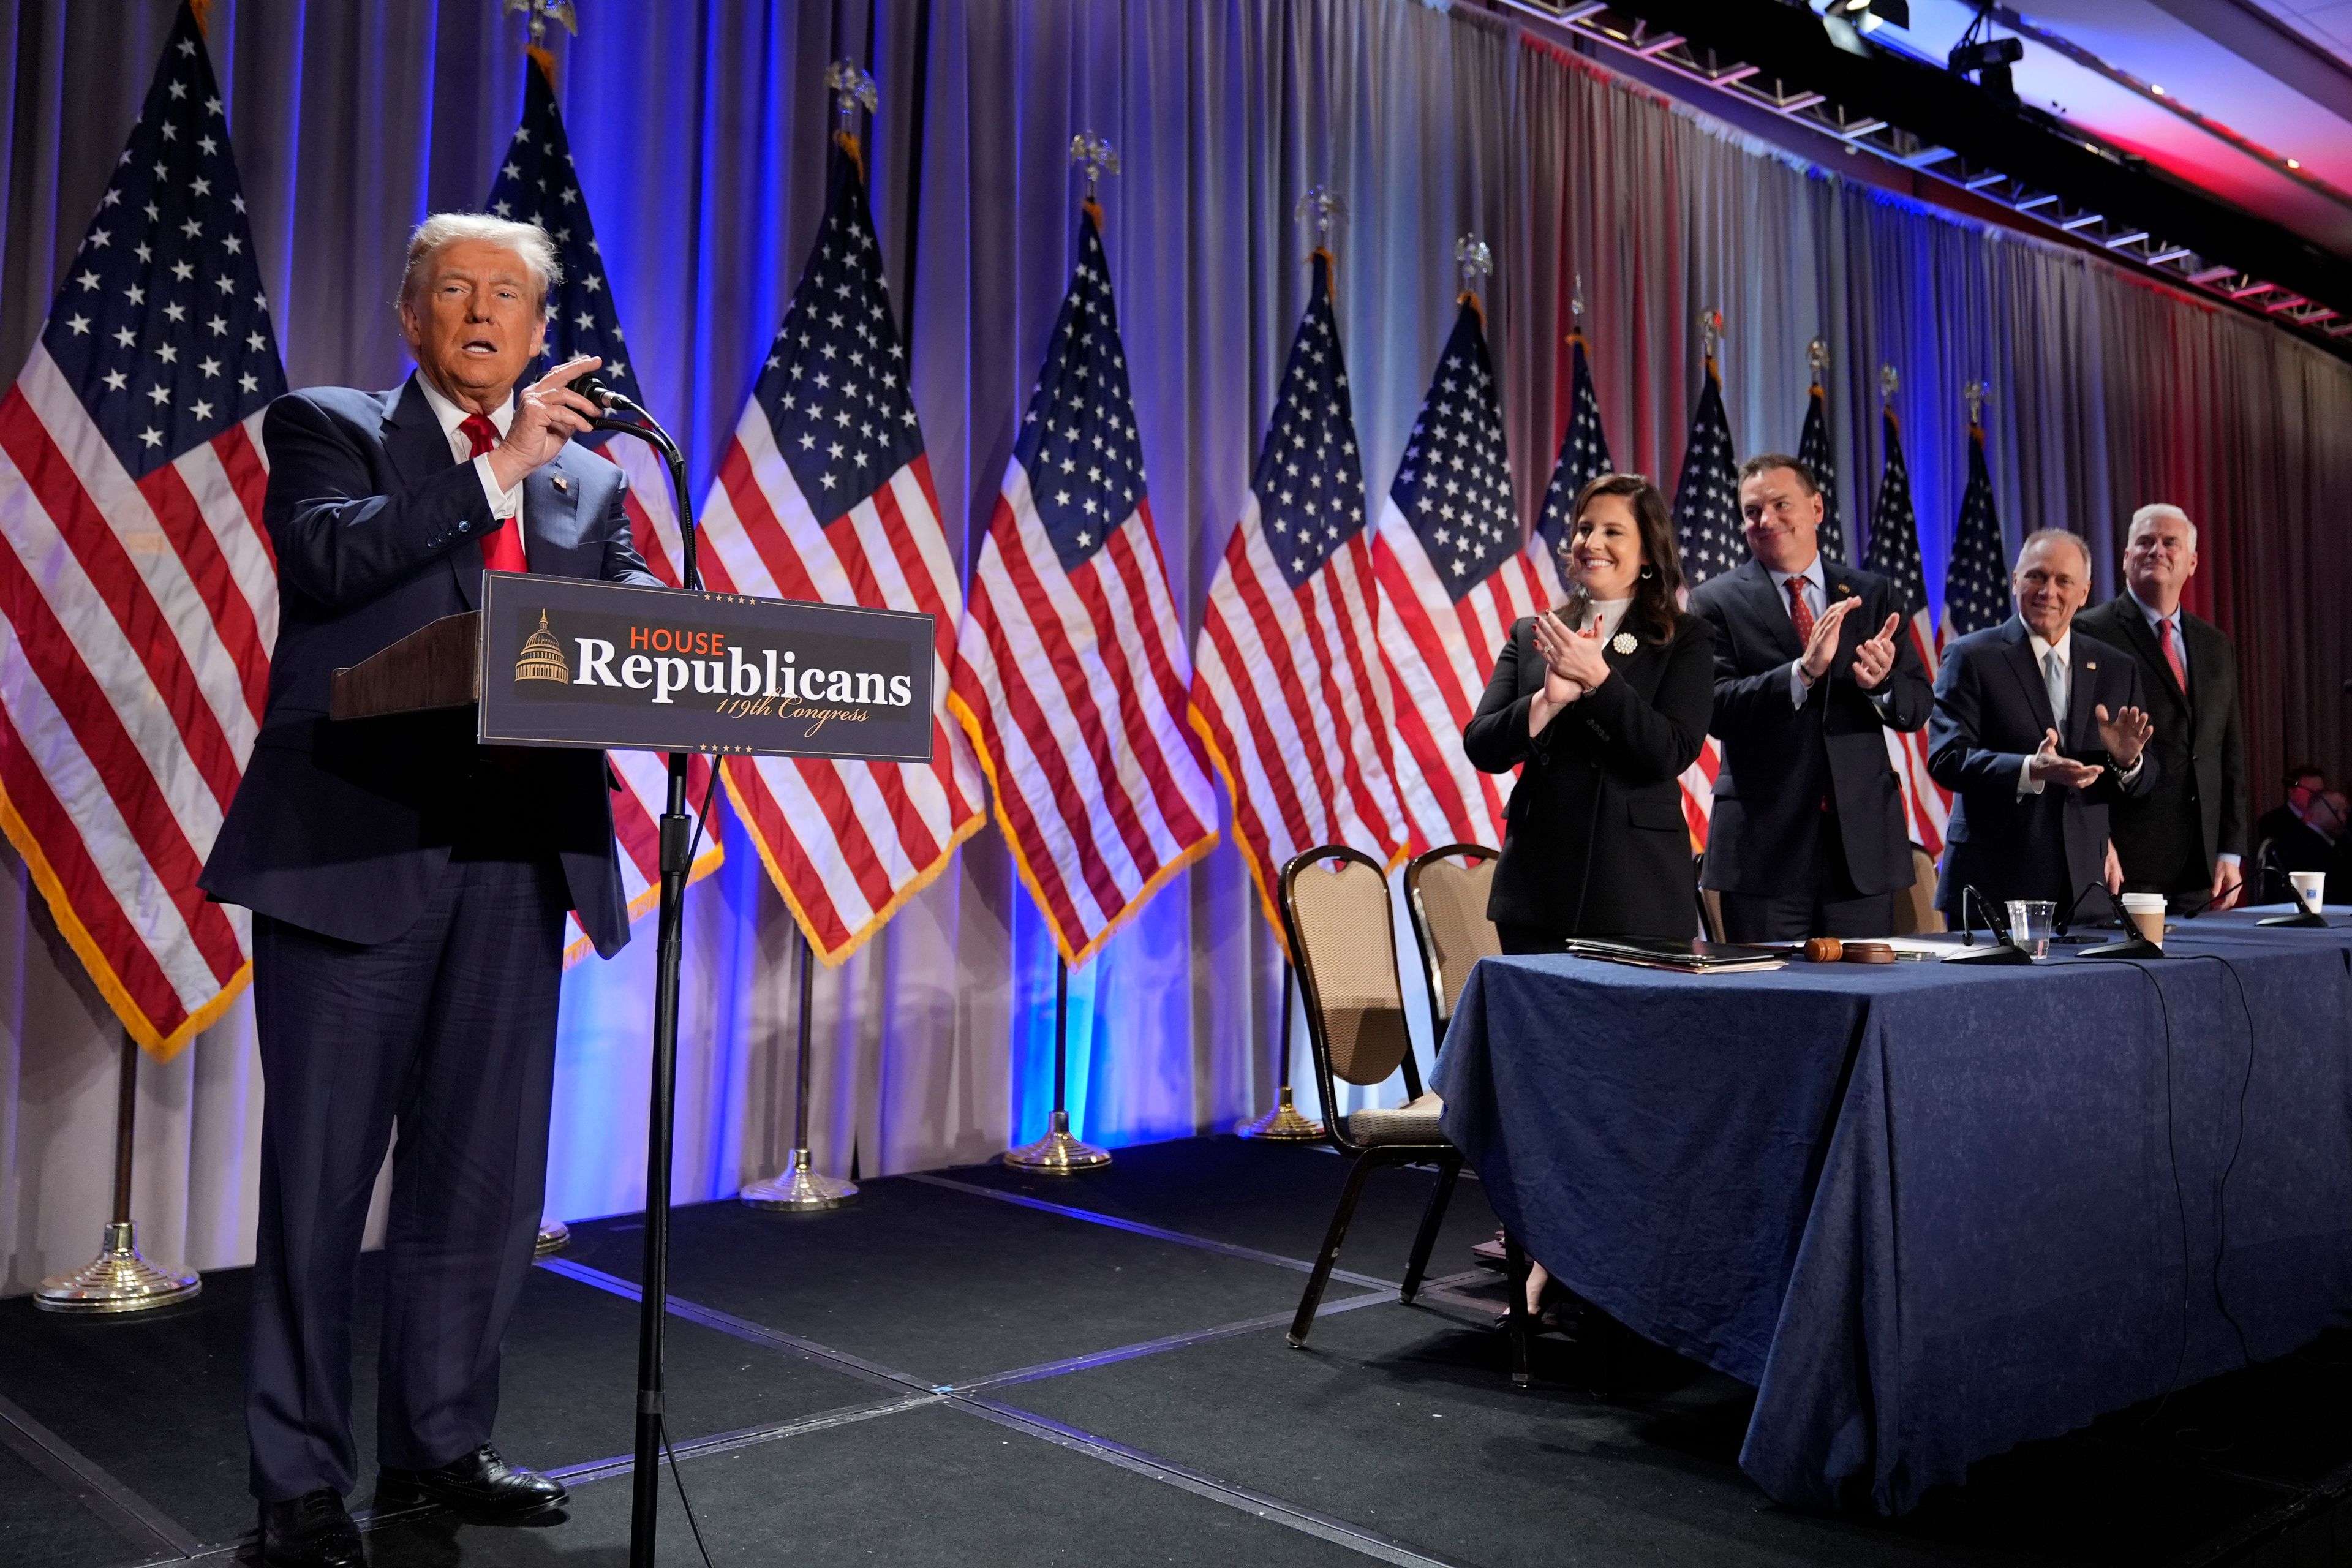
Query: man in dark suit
pixel 2303 781
pixel 1807 835
pixel 2037 728
pixel 409 890
pixel 2187 837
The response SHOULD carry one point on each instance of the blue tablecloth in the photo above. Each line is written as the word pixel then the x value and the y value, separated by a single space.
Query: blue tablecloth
pixel 1929 1211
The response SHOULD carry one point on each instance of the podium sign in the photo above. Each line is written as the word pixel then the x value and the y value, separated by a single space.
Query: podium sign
pixel 568 661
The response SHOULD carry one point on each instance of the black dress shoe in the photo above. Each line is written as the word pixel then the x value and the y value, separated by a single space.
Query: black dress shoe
pixel 481 1487
pixel 310 1532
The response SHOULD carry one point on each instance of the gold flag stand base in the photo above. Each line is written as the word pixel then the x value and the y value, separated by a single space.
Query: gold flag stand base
pixel 1284 1124
pixel 1058 1153
pixel 117 1280
pixel 799 1187
pixel 554 1235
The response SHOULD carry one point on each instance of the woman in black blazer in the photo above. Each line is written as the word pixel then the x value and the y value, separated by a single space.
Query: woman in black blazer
pixel 1604 702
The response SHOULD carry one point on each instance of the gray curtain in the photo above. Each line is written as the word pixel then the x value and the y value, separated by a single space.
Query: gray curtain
pixel 699 132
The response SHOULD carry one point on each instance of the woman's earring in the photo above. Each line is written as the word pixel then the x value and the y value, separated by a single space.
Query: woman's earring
pixel 1648 573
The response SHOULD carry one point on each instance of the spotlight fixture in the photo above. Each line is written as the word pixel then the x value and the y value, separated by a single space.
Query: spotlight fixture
pixel 1989 62
pixel 1871 14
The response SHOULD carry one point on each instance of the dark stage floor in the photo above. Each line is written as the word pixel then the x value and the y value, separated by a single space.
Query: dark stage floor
pixel 982 1367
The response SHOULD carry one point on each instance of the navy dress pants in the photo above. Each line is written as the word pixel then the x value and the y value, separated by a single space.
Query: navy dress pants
pixel 447 1031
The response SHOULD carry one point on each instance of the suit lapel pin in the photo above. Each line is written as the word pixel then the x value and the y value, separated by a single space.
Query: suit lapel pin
pixel 1623 643
pixel 2089 665
pixel 562 484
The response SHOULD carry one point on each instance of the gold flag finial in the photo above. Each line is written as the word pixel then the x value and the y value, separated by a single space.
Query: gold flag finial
pixel 1974 392
pixel 852 90
pixel 1887 382
pixel 1095 153
pixel 1710 329
pixel 1575 302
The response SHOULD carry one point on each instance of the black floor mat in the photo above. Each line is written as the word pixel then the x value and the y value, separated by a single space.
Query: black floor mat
pixel 43 1525
pixel 1402 1420
pixel 945 1285
pixel 1275 1197
pixel 571 1365
pixel 925 1488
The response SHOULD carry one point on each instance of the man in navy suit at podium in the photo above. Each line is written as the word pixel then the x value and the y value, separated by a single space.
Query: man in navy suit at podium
pixel 409 890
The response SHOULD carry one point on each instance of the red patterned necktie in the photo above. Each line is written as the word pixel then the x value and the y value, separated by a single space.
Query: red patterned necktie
pixel 503 546
pixel 1800 612
pixel 2171 653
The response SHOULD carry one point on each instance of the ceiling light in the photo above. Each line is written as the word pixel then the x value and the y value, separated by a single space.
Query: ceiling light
pixel 2156 87
pixel 2293 164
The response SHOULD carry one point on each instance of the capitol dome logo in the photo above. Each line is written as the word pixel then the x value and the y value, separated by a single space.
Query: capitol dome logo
pixel 542 657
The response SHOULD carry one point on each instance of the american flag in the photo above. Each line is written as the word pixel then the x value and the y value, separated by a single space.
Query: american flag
pixel 826 493
pixel 1706 528
pixel 537 184
pixel 1895 555
pixel 1584 456
pixel 1813 451
pixel 1453 579
pixel 138 592
pixel 1976 584
pixel 1282 686
pixel 1070 672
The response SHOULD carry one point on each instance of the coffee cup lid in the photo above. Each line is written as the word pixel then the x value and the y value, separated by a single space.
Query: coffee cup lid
pixel 2143 900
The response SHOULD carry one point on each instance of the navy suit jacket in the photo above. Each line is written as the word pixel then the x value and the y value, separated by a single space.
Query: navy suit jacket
pixel 1991 709
pixel 344 828
pixel 1780 759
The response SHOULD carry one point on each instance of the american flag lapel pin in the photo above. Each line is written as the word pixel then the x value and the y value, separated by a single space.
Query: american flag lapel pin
pixel 2090 664
pixel 562 484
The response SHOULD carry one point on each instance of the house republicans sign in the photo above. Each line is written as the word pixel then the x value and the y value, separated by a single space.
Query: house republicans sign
pixel 570 662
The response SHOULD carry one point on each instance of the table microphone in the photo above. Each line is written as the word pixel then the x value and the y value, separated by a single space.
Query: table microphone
pixel 2305 916
pixel 2132 946
pixel 2004 949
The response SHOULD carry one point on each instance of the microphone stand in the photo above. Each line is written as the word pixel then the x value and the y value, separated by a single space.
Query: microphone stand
pixel 2308 917
pixel 652 1284
pixel 2132 946
pixel 2004 949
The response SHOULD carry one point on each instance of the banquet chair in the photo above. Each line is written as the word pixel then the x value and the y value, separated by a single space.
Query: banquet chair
pixel 1335 912
pixel 1448 905
pixel 1916 913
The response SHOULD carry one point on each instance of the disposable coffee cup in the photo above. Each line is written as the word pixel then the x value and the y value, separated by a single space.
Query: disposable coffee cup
pixel 2145 912
pixel 2309 886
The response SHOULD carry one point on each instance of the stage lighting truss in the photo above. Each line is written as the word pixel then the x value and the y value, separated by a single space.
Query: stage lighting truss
pixel 2037 205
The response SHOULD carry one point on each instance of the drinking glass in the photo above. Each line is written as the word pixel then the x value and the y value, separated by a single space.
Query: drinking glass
pixel 2031 923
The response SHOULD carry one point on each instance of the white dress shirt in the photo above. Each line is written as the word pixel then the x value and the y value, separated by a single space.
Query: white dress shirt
pixel 504 504
pixel 2064 648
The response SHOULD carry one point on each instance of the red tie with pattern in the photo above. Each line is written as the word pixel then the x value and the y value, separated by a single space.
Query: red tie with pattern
pixel 1800 612
pixel 501 547
pixel 2171 653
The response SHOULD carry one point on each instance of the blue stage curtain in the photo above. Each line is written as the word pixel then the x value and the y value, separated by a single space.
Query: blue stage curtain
pixel 699 130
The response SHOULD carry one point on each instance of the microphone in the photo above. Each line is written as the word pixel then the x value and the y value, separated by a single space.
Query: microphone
pixel 2132 946
pixel 2067 920
pixel 2305 916
pixel 646 428
pixel 2005 949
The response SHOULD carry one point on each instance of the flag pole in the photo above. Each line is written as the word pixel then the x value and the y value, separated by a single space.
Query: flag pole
pixel 118 1280
pixel 799 1188
pixel 1058 1153
pixel 1283 1123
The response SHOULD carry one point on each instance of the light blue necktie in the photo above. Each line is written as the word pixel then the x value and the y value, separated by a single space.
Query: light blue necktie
pixel 2053 679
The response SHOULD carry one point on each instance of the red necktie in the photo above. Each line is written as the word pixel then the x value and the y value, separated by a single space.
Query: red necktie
pixel 503 546
pixel 1800 612
pixel 2172 653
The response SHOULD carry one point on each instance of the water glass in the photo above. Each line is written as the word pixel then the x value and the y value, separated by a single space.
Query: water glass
pixel 2031 923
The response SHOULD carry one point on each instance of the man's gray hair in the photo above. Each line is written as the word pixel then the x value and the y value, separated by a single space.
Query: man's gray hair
pixel 441 230
pixel 2157 508
pixel 2066 535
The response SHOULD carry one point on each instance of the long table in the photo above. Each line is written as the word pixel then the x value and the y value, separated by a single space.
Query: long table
pixel 1929 1211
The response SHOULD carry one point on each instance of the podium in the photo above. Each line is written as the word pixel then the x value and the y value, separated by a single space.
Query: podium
pixel 564 661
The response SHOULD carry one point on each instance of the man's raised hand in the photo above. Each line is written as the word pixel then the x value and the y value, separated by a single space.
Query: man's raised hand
pixel 2049 767
pixel 1822 647
pixel 1873 659
pixel 548 413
